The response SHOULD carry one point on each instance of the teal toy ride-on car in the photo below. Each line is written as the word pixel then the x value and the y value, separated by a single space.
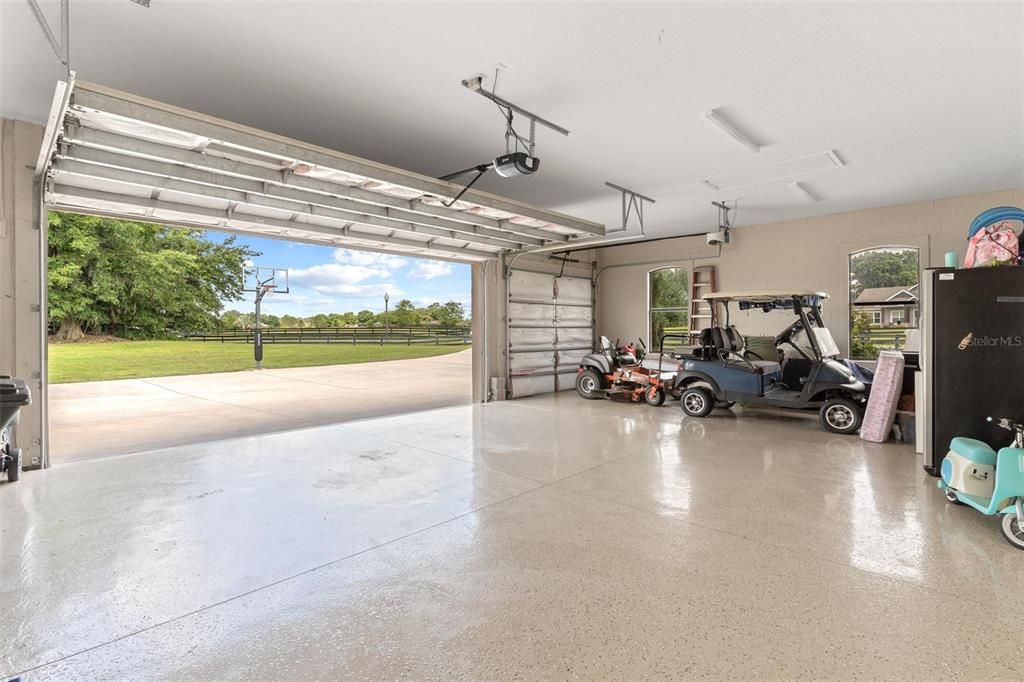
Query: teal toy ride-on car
pixel 975 475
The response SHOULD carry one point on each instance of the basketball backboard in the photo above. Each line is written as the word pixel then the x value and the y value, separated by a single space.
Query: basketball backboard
pixel 260 278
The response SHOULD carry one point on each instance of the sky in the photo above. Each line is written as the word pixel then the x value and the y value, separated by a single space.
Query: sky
pixel 324 279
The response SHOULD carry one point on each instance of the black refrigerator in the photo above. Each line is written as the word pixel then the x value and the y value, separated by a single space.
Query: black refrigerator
pixel 972 356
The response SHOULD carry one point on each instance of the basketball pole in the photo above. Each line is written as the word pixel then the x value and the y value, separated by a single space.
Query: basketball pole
pixel 257 348
pixel 263 281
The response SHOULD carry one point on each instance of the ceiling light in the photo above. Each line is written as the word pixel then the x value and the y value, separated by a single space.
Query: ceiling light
pixel 787 169
pixel 144 3
pixel 729 129
pixel 804 192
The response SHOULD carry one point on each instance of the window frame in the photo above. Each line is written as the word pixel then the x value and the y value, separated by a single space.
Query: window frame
pixel 921 251
pixel 651 342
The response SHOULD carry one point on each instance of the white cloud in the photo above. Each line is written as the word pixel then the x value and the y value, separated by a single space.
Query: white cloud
pixel 337 279
pixel 383 261
pixel 431 269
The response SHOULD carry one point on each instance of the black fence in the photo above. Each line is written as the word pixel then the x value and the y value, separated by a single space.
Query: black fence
pixel 426 334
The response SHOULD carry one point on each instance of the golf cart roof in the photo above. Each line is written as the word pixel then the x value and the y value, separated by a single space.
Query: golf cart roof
pixel 762 295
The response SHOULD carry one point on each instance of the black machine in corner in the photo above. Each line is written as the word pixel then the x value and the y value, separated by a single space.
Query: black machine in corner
pixel 972 355
pixel 14 395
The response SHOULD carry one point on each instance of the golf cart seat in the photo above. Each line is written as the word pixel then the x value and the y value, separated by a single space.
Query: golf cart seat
pixel 728 343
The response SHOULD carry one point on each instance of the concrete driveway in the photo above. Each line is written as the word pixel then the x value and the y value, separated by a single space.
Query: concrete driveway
pixel 103 418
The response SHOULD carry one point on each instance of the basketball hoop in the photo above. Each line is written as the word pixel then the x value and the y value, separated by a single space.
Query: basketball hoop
pixel 262 281
pixel 265 289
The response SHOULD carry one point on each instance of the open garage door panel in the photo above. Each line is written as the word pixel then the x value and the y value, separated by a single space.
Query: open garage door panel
pixel 116 154
pixel 550 329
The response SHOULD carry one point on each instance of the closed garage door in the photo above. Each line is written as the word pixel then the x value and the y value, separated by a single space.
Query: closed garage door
pixel 550 328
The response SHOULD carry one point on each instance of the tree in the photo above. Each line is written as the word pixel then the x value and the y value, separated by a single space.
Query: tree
pixel 319 320
pixel 404 314
pixel 365 317
pixel 233 319
pixel 137 280
pixel 449 314
pixel 883 268
pixel 860 341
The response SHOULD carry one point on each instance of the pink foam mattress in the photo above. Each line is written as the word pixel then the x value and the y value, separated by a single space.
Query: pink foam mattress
pixel 885 394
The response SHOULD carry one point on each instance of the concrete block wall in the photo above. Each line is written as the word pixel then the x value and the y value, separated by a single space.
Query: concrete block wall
pixel 22 299
pixel 809 253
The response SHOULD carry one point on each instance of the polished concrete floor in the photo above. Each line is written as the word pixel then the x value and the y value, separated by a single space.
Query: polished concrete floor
pixel 103 418
pixel 547 538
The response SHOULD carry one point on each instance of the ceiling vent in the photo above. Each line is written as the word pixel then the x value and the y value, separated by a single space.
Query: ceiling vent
pixel 781 170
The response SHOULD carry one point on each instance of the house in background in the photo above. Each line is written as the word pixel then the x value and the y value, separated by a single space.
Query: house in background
pixel 889 306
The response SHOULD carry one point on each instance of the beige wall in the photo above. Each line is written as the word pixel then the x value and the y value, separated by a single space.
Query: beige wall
pixel 809 253
pixel 22 352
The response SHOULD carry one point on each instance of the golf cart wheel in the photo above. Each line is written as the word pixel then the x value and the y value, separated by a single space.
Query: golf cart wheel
pixel 697 402
pixel 724 404
pixel 1012 530
pixel 589 384
pixel 951 497
pixel 655 397
pixel 840 415
pixel 14 465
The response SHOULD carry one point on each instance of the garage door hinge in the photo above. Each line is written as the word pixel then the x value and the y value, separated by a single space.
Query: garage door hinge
pixel 35 307
pixel 36 374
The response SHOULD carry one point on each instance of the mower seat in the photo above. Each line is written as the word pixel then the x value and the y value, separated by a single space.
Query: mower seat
pixel 625 359
pixel 728 342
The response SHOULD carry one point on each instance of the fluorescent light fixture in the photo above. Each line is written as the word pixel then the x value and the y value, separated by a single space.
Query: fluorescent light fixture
pixel 804 192
pixel 729 129
pixel 787 169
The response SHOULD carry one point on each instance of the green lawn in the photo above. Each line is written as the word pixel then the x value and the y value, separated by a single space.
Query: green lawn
pixel 96 361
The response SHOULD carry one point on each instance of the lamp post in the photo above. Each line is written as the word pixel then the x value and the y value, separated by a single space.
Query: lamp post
pixel 387 327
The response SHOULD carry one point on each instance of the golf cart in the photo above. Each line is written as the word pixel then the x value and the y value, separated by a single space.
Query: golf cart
pixel 805 374
pixel 618 370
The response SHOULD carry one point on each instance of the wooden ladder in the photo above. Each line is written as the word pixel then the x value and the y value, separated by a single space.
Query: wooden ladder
pixel 702 314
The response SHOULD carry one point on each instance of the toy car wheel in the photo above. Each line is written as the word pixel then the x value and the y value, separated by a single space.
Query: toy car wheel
pixel 14 465
pixel 697 402
pixel 655 397
pixel 1013 531
pixel 724 404
pixel 951 497
pixel 840 415
pixel 589 384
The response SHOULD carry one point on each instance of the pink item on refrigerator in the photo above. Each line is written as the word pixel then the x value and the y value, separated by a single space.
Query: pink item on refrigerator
pixel 885 393
pixel 993 245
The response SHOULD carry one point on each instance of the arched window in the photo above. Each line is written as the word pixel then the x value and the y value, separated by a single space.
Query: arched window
pixel 884 292
pixel 668 303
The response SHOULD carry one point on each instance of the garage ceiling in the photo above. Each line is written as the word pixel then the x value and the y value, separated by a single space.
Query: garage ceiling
pixel 120 155
pixel 919 100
